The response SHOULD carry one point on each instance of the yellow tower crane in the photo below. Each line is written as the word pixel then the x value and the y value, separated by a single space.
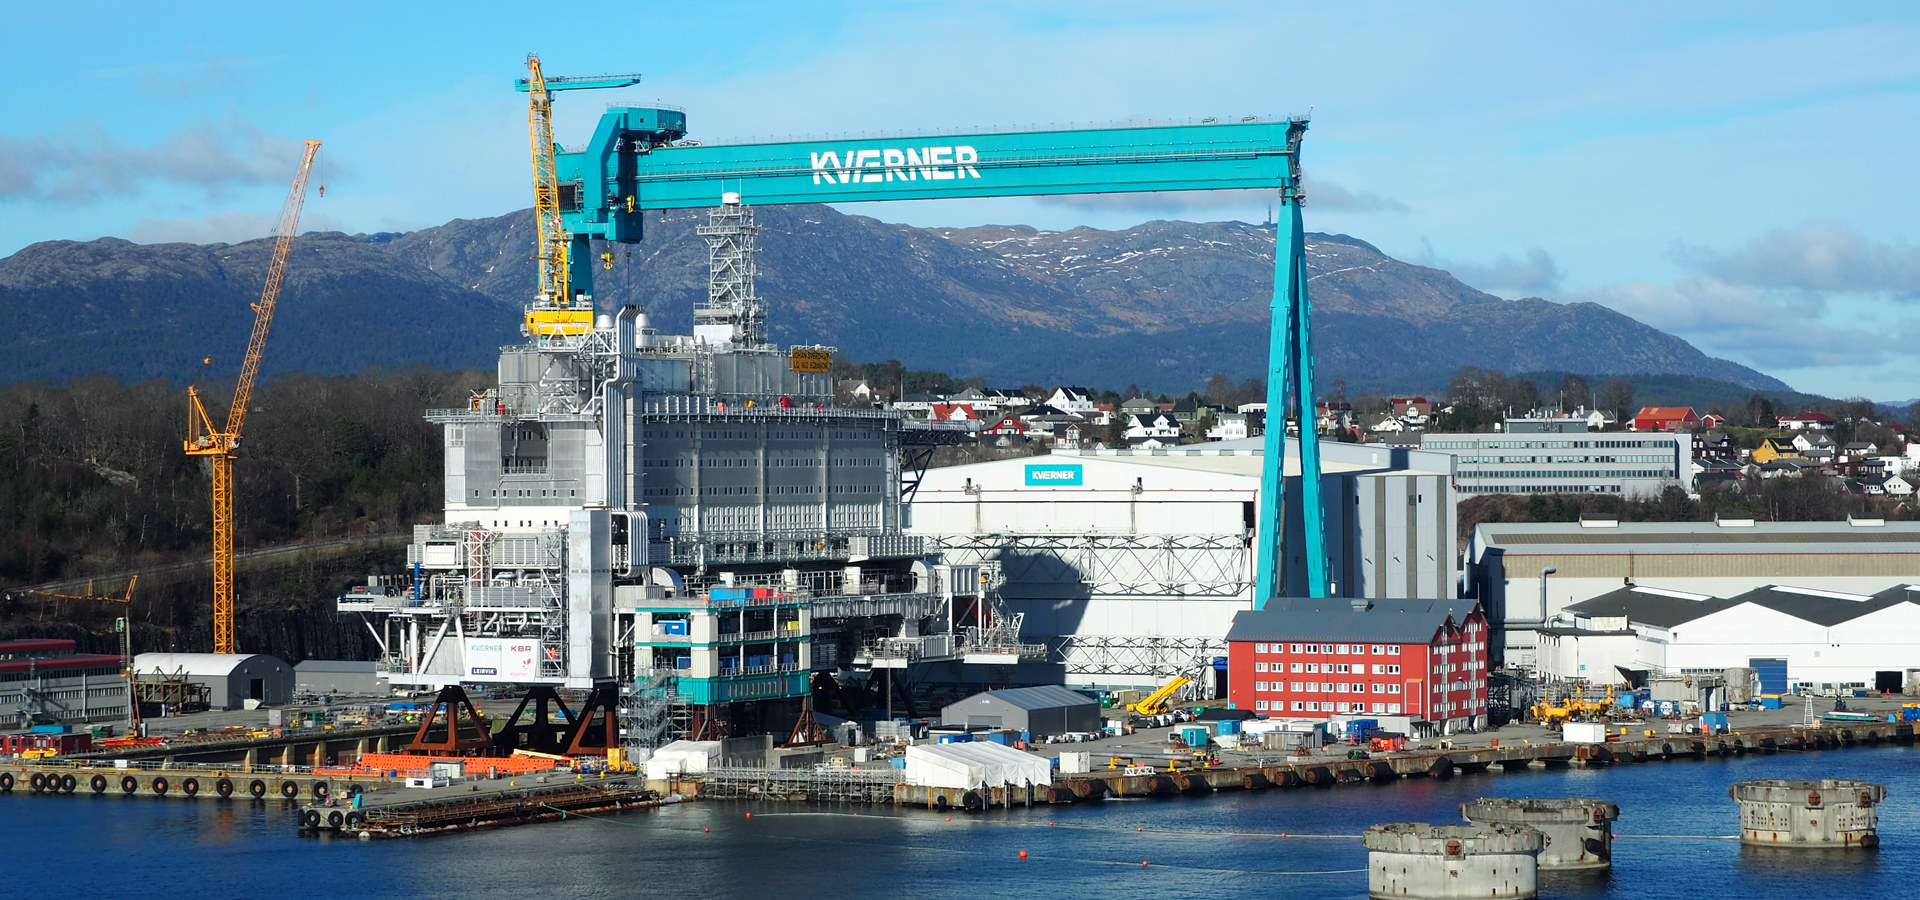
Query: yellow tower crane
pixel 222 447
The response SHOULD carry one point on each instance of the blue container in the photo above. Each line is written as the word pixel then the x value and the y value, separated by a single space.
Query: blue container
pixel 676 626
pixel 1360 727
pixel 1227 726
pixel 52 729
pixel 956 739
pixel 900 762
pixel 1769 702
pixel 727 593
pixel 1714 720
pixel 686 662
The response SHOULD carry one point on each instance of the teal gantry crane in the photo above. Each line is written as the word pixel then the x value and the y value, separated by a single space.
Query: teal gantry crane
pixel 637 160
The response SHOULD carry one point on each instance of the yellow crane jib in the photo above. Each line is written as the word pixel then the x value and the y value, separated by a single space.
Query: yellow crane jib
pixel 221 446
pixel 558 309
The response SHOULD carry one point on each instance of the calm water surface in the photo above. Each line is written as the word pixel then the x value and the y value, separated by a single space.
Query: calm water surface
pixel 1227 843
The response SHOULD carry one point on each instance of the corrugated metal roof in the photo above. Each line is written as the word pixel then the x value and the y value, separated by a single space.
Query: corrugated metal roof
pixel 1660 609
pixel 1700 537
pixel 334 665
pixel 1335 619
pixel 1046 696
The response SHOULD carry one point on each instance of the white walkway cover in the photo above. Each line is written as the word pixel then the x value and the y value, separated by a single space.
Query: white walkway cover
pixel 975 764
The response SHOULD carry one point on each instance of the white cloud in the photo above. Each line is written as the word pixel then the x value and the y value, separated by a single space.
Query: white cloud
pixel 223 227
pixel 1823 256
pixel 1532 274
pixel 1761 329
pixel 90 164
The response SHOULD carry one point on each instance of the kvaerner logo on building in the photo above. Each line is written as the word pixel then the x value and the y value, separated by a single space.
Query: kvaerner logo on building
pixel 878 164
pixel 1053 476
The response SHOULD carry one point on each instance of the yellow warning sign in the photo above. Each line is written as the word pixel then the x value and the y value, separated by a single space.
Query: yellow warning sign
pixel 811 360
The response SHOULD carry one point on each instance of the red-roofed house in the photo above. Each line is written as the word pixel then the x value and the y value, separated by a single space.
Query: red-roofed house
pixel 1007 426
pixel 1666 418
pixel 953 412
pixel 1807 422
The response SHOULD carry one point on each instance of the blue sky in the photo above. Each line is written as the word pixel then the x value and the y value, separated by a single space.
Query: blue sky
pixel 1740 175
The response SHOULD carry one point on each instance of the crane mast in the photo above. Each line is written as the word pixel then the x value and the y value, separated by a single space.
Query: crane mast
pixel 560 309
pixel 222 447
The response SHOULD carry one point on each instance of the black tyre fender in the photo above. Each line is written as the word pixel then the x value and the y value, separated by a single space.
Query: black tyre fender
pixel 356 818
pixel 190 786
pixel 129 784
pixel 98 783
pixel 223 787
pixel 68 783
pixel 289 790
pixel 311 818
pixel 6 782
pixel 257 788
pixel 321 791
pixel 159 786
pixel 336 818
pixel 38 782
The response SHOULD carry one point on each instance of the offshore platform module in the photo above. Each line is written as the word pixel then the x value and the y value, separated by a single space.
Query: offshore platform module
pixel 693 511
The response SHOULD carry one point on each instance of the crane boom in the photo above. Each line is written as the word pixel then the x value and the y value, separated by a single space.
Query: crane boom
pixel 222 447
pixel 636 162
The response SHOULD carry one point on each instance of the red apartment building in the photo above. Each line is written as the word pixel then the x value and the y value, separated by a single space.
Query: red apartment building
pixel 1306 659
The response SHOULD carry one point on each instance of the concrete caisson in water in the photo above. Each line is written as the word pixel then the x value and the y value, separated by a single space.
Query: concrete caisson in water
pixel 1833 812
pixel 1578 830
pixel 1418 861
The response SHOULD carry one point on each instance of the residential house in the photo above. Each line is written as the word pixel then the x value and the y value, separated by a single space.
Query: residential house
pixel 1388 425
pixel 1066 436
pixel 1712 420
pixel 1334 416
pixel 1713 445
pixel 1228 427
pixel 1880 486
pixel 1074 401
pixel 1774 449
pixel 1807 422
pixel 1598 420
pixel 1009 431
pixel 1416 412
pixel 1666 418
pixel 954 412
pixel 1187 410
pixel 1152 431
pixel 1716 471
pixel 1138 406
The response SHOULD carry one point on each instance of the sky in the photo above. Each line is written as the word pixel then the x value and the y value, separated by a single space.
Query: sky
pixel 1741 175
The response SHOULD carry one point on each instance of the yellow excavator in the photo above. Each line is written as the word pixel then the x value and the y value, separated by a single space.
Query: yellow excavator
pixel 1156 703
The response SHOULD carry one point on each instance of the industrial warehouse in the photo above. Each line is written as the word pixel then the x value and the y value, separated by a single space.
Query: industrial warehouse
pixel 1524 575
pixel 1131 564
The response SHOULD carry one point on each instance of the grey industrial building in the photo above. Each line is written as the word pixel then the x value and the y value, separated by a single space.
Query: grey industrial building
pixel 1525 574
pixel 339 676
pixel 231 678
pixel 49 682
pixel 1634 465
pixel 1040 711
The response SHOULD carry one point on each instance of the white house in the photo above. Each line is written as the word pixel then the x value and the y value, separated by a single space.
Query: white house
pixel 1074 401
pixel 1228 427
pixel 1150 431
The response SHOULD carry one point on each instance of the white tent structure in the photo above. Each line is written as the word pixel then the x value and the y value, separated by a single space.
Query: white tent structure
pixel 976 764
pixel 683 758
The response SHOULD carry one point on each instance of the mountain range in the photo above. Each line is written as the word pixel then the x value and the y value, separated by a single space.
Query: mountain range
pixel 1163 304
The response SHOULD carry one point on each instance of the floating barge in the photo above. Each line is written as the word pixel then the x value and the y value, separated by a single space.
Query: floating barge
pixel 483 809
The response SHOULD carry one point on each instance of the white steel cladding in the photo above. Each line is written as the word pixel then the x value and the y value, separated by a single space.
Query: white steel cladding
pixel 1132 564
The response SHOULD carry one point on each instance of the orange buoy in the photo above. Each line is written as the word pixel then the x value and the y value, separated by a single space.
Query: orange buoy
pixel 749 815
pixel 706 830
pixel 1023 854
pixel 1143 863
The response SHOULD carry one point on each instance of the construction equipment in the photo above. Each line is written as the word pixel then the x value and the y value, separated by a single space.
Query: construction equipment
pixel 1156 703
pixel 559 310
pixel 637 161
pixel 124 626
pixel 222 446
